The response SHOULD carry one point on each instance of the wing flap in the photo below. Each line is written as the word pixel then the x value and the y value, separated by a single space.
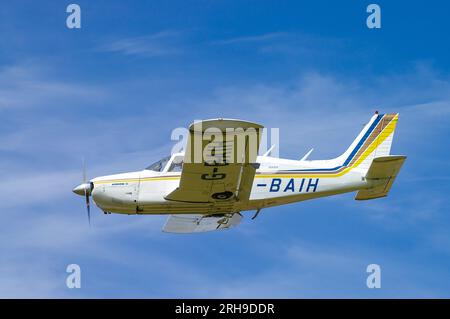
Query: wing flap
pixel 246 182
pixel 197 223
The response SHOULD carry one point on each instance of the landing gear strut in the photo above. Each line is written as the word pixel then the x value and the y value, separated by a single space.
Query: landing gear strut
pixel 256 214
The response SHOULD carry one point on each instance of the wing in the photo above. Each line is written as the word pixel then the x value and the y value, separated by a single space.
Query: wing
pixel 184 224
pixel 219 162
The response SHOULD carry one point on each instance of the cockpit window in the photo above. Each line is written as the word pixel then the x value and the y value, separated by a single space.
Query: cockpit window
pixel 159 165
pixel 177 164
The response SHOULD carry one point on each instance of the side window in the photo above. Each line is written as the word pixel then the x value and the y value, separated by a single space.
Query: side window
pixel 159 165
pixel 177 164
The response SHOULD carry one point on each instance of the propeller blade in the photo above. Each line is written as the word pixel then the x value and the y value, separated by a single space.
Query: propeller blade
pixel 84 169
pixel 85 189
pixel 88 206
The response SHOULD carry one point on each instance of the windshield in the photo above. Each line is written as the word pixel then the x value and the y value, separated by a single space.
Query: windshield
pixel 159 165
pixel 177 164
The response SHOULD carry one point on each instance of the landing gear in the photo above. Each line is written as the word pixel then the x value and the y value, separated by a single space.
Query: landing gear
pixel 222 195
pixel 256 214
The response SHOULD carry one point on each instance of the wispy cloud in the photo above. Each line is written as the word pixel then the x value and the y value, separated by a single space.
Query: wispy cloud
pixel 25 86
pixel 253 39
pixel 52 219
pixel 67 101
pixel 292 43
pixel 158 44
pixel 301 268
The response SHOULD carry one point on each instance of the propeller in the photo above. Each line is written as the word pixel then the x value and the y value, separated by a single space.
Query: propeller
pixel 85 189
pixel 86 194
pixel 88 206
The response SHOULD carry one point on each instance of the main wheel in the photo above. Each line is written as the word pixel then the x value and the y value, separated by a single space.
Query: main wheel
pixel 222 196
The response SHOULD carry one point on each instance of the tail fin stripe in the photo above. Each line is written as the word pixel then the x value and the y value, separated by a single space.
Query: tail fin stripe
pixel 389 129
pixel 361 142
pixel 380 130
pixel 355 150
pixel 377 134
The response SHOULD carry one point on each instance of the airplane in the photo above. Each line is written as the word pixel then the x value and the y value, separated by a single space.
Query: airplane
pixel 210 192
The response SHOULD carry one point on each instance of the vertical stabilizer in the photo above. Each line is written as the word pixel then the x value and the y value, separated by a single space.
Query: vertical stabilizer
pixel 375 140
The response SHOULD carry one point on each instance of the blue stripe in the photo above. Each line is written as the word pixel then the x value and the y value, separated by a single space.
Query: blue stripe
pixel 352 154
pixel 313 169
pixel 361 142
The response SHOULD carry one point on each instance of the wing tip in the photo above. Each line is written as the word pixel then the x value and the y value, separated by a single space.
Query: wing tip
pixel 224 123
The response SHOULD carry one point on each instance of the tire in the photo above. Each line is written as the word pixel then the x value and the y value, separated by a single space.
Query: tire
pixel 222 196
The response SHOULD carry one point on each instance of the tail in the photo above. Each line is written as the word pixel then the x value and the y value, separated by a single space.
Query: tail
pixel 381 176
pixel 370 153
pixel 374 141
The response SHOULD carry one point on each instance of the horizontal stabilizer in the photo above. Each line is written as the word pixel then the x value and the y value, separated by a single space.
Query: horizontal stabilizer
pixel 198 223
pixel 382 173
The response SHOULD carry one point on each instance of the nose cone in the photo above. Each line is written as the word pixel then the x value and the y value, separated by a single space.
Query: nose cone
pixel 81 189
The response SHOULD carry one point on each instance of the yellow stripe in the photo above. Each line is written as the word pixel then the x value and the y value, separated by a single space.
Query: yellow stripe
pixel 145 179
pixel 387 131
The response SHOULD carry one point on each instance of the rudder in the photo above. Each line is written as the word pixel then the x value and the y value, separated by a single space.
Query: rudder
pixel 375 140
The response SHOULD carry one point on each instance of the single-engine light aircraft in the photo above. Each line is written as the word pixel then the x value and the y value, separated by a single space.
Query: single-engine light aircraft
pixel 219 174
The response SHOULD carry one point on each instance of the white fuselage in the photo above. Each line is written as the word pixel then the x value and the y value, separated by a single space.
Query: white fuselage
pixel 277 181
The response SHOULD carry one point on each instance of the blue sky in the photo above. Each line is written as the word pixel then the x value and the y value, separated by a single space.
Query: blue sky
pixel 113 91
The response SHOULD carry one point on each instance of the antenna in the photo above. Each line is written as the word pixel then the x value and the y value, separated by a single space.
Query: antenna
pixel 270 150
pixel 307 155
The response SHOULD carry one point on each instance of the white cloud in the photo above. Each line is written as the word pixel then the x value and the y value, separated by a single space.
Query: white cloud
pixel 27 86
pixel 253 39
pixel 158 44
pixel 50 220
pixel 286 43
